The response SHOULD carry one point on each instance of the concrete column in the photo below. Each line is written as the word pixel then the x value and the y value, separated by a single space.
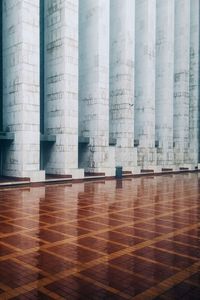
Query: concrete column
pixel 145 81
pixel 94 86
pixel 194 81
pixel 164 80
pixel 122 48
pixel 21 87
pixel 181 81
pixel 61 79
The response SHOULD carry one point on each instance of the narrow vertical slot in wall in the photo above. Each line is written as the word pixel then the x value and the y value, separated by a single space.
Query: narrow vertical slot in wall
pixel 199 100
pixel 1 84
pixel 42 79
pixel 42 69
pixel 1 67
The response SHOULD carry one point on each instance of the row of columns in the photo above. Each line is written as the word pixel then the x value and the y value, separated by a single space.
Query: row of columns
pixel 160 111
pixel 127 72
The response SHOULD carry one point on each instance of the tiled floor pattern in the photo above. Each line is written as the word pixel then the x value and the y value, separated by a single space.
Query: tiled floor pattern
pixel 131 239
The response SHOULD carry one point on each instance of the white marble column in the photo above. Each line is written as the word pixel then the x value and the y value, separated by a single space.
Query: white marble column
pixel 181 81
pixel 61 90
pixel 164 80
pixel 21 87
pixel 194 81
pixel 94 85
pixel 122 50
pixel 145 81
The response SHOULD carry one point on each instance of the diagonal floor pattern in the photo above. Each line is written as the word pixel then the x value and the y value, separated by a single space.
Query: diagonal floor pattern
pixel 127 239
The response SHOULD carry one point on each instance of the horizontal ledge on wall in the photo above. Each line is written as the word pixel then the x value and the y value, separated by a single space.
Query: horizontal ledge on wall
pixel 47 138
pixel 7 136
pixel 83 140
pixel 112 142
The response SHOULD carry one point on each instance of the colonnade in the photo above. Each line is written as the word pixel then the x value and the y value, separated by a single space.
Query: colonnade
pixel 113 83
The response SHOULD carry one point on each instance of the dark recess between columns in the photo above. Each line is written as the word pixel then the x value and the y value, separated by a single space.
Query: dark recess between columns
pixel 199 99
pixel 42 65
pixel 1 66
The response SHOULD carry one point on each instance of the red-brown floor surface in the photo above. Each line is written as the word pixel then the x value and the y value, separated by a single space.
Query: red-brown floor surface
pixel 131 239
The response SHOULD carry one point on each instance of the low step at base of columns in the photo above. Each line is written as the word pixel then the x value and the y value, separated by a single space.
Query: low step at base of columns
pixel 126 172
pixel 8 181
pixel 184 167
pixel 57 178
pixel 89 174
pixel 108 172
pixel 147 171
pixel 8 178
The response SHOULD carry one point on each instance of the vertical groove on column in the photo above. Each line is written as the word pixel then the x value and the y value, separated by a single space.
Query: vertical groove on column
pixel 199 93
pixel 194 81
pixel 1 67
pixel 42 68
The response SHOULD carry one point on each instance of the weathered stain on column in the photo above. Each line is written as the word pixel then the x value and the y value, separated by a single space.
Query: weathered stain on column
pixel 181 81
pixel 145 81
pixel 194 81
pixel 21 87
pixel 164 80
pixel 122 48
pixel 61 78
pixel 94 84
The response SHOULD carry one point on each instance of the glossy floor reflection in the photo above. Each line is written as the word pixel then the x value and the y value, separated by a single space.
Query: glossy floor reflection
pixel 132 239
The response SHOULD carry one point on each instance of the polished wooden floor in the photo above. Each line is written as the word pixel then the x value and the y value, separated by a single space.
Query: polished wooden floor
pixel 131 239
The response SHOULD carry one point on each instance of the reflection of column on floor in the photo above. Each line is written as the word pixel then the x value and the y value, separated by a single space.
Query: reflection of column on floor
pixel 122 48
pixel 164 80
pixel 21 88
pixel 119 184
pixel 31 200
pixel 194 81
pixel 61 78
pixel 179 196
pixel 97 156
pixel 181 81
pixel 145 15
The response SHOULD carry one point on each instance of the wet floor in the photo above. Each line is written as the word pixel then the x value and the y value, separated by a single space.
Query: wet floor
pixel 131 239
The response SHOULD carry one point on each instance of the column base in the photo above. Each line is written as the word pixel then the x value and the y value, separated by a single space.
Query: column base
pixel 35 176
pixel 126 157
pixel 165 157
pixel 146 157
pixel 136 170
pixel 77 173
pixel 98 159
pixel 182 156
pixel 194 155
